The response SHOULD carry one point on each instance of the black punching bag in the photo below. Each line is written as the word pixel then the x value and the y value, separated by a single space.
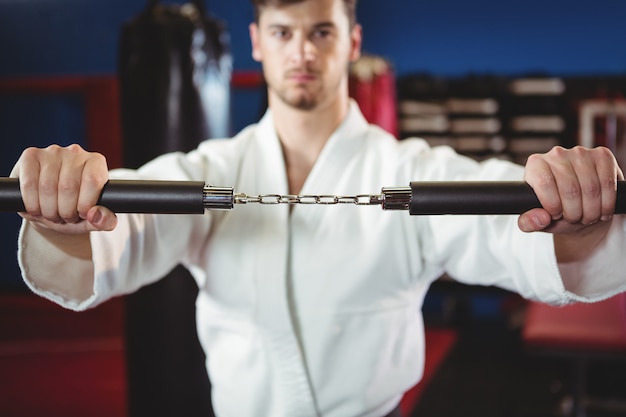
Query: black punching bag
pixel 174 69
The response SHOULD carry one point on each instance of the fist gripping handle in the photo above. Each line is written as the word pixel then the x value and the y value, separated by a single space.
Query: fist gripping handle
pixel 126 196
pixel 467 197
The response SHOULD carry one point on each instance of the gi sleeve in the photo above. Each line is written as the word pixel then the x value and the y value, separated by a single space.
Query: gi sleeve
pixel 141 249
pixel 491 250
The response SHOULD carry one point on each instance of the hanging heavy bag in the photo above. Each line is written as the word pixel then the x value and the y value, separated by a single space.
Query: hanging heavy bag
pixel 174 70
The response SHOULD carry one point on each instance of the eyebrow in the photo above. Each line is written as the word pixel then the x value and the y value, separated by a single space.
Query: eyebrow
pixel 317 26
pixel 324 25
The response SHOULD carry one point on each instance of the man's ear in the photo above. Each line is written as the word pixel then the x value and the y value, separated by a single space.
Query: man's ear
pixel 254 39
pixel 356 39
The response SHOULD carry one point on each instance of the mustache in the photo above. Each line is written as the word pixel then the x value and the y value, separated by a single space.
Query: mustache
pixel 301 71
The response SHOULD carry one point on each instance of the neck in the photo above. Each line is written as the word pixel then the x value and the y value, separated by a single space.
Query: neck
pixel 304 133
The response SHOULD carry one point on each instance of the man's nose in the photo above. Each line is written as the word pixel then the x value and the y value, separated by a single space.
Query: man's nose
pixel 303 50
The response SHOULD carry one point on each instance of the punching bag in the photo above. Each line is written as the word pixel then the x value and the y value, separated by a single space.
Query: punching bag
pixel 174 69
pixel 372 85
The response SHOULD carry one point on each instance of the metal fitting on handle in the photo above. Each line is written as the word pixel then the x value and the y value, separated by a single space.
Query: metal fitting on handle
pixel 396 198
pixel 218 197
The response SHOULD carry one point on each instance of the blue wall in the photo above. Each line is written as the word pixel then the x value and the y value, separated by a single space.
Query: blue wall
pixel 454 37
pixel 42 37
pixel 444 37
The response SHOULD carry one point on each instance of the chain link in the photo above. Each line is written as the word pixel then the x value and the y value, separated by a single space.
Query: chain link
pixel 359 200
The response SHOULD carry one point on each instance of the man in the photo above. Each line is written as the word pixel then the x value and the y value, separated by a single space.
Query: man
pixel 307 310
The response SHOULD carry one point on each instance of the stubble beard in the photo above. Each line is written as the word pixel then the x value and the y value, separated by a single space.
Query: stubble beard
pixel 299 99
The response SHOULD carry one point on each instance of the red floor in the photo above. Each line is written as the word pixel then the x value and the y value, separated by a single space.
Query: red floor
pixel 55 362
pixel 438 344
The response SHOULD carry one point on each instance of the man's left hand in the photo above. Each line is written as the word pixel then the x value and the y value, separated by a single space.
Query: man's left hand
pixel 576 188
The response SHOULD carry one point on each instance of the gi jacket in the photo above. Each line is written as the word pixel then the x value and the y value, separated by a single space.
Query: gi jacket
pixel 316 310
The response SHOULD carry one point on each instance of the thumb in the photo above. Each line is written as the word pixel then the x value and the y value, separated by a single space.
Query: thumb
pixel 101 219
pixel 534 220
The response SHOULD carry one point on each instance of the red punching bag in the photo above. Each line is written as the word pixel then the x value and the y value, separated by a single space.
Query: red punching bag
pixel 372 85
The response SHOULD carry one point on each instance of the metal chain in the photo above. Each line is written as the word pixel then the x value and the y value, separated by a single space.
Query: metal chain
pixel 359 200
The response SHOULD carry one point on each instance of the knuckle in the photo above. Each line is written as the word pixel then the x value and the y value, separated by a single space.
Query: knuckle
pixel 609 183
pixel 53 149
pixel 98 156
pixel 572 217
pixel 533 158
pixel 68 186
pixel 98 160
pixel 588 220
pixel 74 149
pixel 604 152
pixel 71 220
pixel 572 191
pixel 593 190
pixel 82 210
pixel 30 153
pixel 28 183
pixel 557 151
pixel 68 215
pixel 544 180
pixel 553 208
pixel 48 186
pixel 93 180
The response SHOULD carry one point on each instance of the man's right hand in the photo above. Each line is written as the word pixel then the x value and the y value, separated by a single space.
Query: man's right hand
pixel 61 186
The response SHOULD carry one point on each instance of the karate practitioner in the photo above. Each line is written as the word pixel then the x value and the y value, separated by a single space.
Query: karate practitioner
pixel 315 310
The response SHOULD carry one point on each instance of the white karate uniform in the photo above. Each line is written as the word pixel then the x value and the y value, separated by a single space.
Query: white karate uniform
pixel 317 311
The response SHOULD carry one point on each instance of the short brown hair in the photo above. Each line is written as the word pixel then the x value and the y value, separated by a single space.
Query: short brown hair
pixel 349 6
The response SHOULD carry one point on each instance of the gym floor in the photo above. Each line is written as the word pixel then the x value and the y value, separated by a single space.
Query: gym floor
pixel 490 373
pixel 56 362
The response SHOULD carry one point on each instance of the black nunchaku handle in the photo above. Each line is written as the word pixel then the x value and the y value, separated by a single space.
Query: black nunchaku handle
pixel 427 198
pixel 482 197
pixel 127 196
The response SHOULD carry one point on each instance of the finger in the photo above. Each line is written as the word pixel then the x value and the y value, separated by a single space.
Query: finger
pixel 101 218
pixel 608 173
pixel 98 219
pixel 48 187
pixel 619 173
pixel 540 177
pixel 27 170
pixel 534 220
pixel 588 207
pixel 568 186
pixel 94 177
pixel 69 184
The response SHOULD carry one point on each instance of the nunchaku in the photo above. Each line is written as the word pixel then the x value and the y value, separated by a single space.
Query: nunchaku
pixel 419 198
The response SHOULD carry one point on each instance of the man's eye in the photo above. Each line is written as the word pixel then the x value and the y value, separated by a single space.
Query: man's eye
pixel 280 33
pixel 321 34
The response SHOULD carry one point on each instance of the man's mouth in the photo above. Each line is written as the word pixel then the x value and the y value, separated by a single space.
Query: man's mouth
pixel 301 76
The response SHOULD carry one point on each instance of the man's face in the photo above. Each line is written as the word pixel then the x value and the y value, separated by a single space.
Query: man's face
pixel 305 49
